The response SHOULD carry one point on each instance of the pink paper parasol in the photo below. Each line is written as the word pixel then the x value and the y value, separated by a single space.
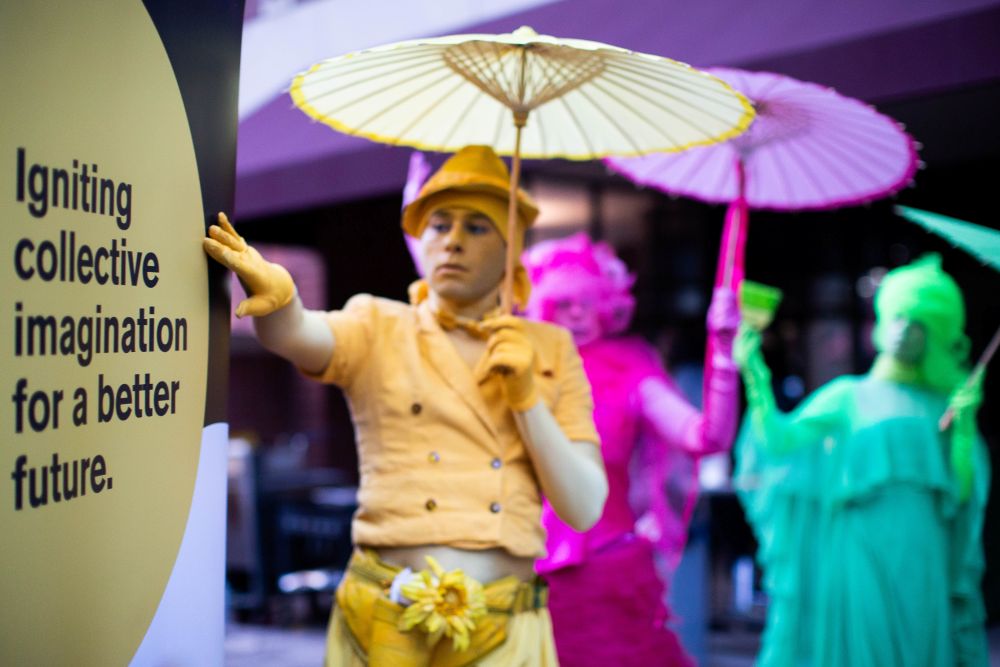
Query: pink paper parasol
pixel 809 148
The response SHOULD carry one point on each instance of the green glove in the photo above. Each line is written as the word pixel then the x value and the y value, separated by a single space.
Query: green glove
pixel 779 433
pixel 964 404
pixel 756 374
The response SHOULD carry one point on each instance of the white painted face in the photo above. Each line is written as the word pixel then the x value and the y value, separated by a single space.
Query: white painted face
pixel 570 297
pixel 905 340
pixel 578 313
pixel 462 254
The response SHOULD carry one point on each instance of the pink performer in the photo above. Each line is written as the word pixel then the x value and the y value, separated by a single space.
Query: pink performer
pixel 607 599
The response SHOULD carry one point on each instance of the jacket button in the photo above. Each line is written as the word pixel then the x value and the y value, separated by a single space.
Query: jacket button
pixel 496 463
pixel 431 504
pixel 495 507
pixel 433 457
pixel 416 408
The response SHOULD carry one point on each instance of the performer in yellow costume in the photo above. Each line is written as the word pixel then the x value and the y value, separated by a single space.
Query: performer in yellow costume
pixel 464 416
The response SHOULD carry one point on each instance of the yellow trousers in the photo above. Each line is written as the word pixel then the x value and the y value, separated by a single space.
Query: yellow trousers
pixel 517 630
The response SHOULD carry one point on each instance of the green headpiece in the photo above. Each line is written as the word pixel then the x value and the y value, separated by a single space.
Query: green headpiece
pixel 922 292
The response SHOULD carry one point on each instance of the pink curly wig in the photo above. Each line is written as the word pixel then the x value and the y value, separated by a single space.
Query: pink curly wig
pixel 575 266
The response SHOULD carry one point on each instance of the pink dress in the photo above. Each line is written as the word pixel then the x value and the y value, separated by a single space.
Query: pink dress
pixel 607 598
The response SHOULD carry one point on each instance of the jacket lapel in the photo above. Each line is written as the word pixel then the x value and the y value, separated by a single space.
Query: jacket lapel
pixel 444 358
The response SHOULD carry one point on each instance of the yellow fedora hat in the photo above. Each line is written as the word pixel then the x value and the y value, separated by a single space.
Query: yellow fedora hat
pixel 472 170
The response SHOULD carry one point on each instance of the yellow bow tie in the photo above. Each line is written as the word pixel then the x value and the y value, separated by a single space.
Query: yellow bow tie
pixel 449 321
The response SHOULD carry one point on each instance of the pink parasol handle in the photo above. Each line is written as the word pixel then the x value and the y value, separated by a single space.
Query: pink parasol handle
pixel 988 353
pixel 729 273
pixel 730 270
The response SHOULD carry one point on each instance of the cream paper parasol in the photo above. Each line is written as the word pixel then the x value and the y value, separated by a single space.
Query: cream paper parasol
pixel 524 94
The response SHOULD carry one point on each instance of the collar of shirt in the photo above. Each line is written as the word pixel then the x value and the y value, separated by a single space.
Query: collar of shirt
pixel 444 358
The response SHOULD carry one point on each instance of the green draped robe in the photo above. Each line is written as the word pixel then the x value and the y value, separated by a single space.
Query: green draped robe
pixel 870 558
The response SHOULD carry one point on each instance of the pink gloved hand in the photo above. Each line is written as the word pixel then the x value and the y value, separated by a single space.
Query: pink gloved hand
pixel 677 421
pixel 721 386
pixel 723 319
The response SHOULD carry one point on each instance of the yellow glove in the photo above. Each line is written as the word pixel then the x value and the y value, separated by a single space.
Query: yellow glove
pixel 268 284
pixel 510 355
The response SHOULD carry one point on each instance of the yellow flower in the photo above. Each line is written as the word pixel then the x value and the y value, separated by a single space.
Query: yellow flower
pixel 444 604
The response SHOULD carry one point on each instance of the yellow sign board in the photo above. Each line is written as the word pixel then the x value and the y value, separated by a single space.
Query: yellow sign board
pixel 103 329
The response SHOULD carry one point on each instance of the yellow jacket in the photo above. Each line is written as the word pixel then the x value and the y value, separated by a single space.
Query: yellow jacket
pixel 441 460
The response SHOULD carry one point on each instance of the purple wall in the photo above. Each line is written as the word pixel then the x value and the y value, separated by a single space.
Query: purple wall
pixel 887 51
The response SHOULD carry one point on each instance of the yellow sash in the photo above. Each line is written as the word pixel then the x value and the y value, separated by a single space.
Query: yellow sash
pixel 373 619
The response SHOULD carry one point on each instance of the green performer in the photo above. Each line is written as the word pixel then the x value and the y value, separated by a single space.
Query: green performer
pixel 869 518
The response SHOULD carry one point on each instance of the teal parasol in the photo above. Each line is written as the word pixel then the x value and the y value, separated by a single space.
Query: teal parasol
pixel 981 242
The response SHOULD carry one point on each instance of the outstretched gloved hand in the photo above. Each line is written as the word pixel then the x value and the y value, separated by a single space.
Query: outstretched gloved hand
pixel 268 285
pixel 510 355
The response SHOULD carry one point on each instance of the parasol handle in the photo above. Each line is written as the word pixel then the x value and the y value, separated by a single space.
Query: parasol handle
pixel 507 293
pixel 988 353
pixel 729 269
pixel 731 256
